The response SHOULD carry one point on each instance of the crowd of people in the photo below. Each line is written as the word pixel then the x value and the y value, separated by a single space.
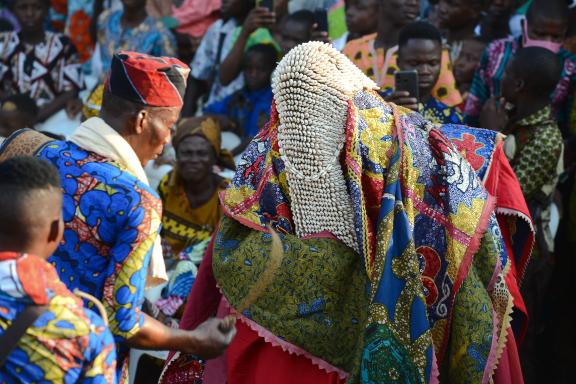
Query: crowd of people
pixel 288 191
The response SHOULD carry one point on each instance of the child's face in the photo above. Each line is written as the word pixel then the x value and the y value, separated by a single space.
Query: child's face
pixel 541 28
pixel 257 72
pixel 425 57
pixel 31 14
pixel 509 83
pixel 468 61
pixel 362 16
pixel 293 33
pixel 453 14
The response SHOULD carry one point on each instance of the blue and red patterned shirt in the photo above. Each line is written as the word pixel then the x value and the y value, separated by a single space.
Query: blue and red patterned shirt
pixel 111 222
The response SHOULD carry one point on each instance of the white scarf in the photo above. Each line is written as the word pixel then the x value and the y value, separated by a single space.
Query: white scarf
pixel 96 136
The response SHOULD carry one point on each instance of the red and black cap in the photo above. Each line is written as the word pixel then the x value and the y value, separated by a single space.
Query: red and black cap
pixel 148 80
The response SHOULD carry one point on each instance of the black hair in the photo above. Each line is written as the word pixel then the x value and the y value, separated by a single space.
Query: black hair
pixel 548 9
pixel 303 16
pixel 24 104
pixel 268 52
pixel 47 4
pixel 20 178
pixel 539 68
pixel 419 30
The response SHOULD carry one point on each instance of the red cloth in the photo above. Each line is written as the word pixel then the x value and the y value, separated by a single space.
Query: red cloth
pixel 148 80
pixel 251 360
pixel 509 370
pixel 512 213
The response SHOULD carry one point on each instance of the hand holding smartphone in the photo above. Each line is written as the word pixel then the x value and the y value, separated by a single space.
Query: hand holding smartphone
pixel 407 81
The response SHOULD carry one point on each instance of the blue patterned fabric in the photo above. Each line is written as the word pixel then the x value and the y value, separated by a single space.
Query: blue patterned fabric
pixel 111 221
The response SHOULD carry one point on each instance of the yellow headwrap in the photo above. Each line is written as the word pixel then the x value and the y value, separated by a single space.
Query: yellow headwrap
pixel 209 129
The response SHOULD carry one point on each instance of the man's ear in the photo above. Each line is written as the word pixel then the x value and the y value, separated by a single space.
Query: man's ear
pixel 140 121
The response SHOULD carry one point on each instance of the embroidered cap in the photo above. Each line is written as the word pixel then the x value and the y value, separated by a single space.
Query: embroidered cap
pixel 148 80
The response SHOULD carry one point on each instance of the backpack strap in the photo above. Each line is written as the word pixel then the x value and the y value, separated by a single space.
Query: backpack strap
pixel 17 329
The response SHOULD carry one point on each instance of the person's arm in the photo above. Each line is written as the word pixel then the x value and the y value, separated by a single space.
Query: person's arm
pixel 231 66
pixel 66 100
pixel 195 89
pixel 208 340
pixel 125 292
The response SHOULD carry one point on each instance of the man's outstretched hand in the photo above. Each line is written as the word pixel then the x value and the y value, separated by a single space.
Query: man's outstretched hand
pixel 212 337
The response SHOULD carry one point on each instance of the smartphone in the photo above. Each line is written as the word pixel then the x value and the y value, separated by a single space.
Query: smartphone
pixel 269 4
pixel 407 81
pixel 321 19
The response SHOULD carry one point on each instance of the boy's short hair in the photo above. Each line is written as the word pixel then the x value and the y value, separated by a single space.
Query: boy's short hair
pixel 266 50
pixel 419 30
pixel 20 178
pixel 22 103
pixel 548 9
pixel 303 16
pixel 539 68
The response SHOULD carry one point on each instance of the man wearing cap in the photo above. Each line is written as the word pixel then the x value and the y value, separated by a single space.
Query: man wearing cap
pixel 112 216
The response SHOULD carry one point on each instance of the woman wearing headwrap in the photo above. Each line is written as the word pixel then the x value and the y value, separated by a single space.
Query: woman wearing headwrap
pixel 191 208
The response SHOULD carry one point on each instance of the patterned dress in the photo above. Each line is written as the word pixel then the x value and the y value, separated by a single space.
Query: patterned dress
pixel 43 71
pixel 150 37
pixel 374 64
pixel 74 18
pixel 488 80
pixel 434 111
pixel 66 344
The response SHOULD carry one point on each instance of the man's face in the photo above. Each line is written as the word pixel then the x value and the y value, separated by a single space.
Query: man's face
pixel 156 132
pixel 424 56
pixel 293 34
pixel 400 12
pixel 362 16
pixel 195 158
pixel 468 61
pixel 541 28
pixel 456 13
pixel 31 14
pixel 257 71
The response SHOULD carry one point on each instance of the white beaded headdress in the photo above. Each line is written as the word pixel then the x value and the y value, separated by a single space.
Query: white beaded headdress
pixel 312 86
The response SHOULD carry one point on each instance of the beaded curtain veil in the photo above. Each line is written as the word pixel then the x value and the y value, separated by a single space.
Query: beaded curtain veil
pixel 312 107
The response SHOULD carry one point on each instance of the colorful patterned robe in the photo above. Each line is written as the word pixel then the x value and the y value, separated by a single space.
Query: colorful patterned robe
pixel 433 260
pixel 111 221
pixel 66 344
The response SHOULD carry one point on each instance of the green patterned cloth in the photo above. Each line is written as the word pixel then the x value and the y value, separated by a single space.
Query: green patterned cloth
pixel 538 143
pixel 315 299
